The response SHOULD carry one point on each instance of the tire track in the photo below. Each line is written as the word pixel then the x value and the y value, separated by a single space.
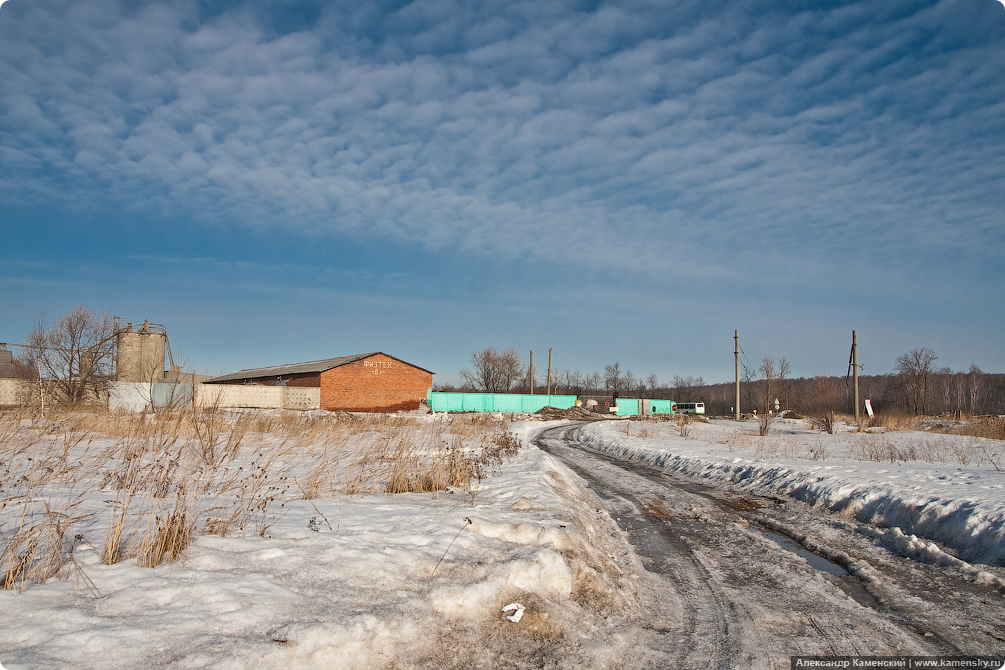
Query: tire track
pixel 721 595
pixel 700 613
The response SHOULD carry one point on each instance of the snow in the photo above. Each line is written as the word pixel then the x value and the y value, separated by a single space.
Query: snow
pixel 523 565
pixel 942 498
pixel 381 579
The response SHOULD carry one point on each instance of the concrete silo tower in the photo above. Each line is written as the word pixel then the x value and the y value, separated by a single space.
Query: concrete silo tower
pixel 140 353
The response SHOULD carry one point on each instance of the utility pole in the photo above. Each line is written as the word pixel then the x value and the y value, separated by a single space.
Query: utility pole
pixel 736 359
pixel 853 364
pixel 549 370
pixel 531 374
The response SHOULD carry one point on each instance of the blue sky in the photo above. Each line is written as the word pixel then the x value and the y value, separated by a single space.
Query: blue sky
pixel 619 181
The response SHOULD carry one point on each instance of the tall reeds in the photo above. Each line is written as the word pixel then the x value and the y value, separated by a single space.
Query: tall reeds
pixel 154 482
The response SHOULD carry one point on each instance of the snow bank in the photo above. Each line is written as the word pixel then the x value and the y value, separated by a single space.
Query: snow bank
pixel 962 507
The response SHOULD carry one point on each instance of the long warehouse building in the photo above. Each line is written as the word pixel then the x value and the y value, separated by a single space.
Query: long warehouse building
pixel 374 382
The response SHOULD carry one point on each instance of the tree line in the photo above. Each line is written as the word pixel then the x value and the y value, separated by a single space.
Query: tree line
pixel 917 386
pixel 506 371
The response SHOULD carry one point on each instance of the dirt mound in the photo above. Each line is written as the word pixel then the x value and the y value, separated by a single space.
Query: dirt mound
pixel 552 413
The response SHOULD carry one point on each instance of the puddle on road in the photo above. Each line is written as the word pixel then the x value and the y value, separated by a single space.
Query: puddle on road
pixel 815 560
pixel 650 542
pixel 834 573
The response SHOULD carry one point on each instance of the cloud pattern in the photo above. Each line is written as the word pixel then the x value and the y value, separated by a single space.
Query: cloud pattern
pixel 692 142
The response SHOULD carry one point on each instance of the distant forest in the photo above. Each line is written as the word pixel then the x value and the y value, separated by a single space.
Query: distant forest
pixel 948 394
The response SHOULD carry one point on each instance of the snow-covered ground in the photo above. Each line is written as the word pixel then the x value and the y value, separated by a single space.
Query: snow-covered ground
pixel 937 497
pixel 343 581
pixel 422 579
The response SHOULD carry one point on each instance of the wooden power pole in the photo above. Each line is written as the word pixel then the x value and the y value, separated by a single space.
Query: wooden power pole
pixel 736 360
pixel 853 364
pixel 531 375
pixel 549 370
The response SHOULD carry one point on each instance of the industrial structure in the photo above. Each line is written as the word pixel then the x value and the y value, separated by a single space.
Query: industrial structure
pixel 374 382
pixel 140 353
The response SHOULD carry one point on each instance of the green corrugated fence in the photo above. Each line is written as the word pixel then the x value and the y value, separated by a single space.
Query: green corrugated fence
pixel 526 402
pixel 628 407
pixel 495 402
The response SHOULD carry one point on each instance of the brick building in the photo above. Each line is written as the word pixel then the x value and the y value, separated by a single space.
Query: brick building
pixel 373 382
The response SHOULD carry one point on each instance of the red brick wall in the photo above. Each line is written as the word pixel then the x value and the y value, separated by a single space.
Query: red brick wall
pixel 375 384
pixel 307 380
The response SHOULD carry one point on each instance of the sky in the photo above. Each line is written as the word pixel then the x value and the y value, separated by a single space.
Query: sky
pixel 618 181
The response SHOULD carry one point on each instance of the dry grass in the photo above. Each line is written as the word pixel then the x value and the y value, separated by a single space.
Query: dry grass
pixel 894 421
pixel 826 421
pixel 162 479
pixel 37 547
pixel 991 427
pixel 972 452
pixel 657 510
pixel 764 422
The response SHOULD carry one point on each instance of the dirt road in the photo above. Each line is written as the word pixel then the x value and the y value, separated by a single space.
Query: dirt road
pixel 723 592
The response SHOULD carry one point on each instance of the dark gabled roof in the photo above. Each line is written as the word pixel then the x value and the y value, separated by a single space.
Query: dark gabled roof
pixel 304 368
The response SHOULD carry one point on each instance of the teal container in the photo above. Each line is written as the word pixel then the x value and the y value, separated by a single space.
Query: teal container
pixel 640 407
pixel 662 406
pixel 627 407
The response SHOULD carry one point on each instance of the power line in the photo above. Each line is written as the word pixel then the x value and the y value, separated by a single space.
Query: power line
pixel 747 364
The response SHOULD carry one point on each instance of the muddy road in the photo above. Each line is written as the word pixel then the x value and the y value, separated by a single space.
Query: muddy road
pixel 731 580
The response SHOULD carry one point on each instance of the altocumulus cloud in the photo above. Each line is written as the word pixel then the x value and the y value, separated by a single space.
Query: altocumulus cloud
pixel 724 135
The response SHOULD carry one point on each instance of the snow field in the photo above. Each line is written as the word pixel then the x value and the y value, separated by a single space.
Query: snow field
pixel 335 581
pixel 918 505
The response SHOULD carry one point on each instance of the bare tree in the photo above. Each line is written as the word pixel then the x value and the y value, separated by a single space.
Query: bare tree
pixel 682 388
pixel 975 387
pixel 483 375
pixel 685 387
pixel 74 354
pixel 612 378
pixel 652 384
pixel 749 378
pixel 628 383
pixel 825 400
pixel 575 381
pixel 561 382
pixel 494 372
pixel 768 383
pixel 510 369
pixel 915 373
pixel 945 383
pixel 773 382
pixel 784 370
